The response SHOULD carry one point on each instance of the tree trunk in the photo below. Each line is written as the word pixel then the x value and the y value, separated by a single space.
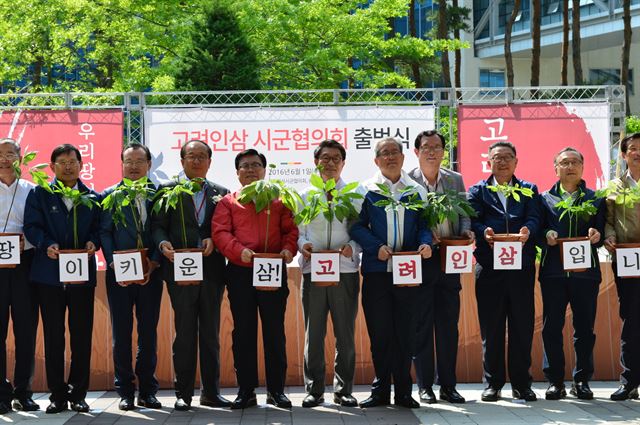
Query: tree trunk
pixel 37 73
pixel 565 44
pixel 507 42
pixel 458 54
pixel 626 51
pixel 442 34
pixel 535 38
pixel 415 64
pixel 577 62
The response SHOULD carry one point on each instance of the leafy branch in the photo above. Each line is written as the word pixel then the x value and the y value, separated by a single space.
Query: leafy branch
pixel 627 196
pixel 576 209
pixel 412 201
pixel 509 191
pixel 446 206
pixel 170 197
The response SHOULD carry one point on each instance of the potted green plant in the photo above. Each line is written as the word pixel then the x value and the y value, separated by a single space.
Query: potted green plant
pixel 125 196
pixel 576 209
pixel 332 203
pixel 262 193
pixel 509 192
pixel 448 206
pixel 627 196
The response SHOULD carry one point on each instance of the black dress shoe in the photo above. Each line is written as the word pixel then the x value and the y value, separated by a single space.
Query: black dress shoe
pixel 244 399
pixel 582 391
pixel 346 400
pixel 625 392
pixel 126 403
pixel 427 395
pixel 57 407
pixel 215 401
pixel 279 400
pixel 182 405
pixel 149 401
pixel 375 400
pixel 4 407
pixel 25 404
pixel 490 394
pixel 80 406
pixel 312 400
pixel 555 392
pixel 451 395
pixel 525 394
pixel 406 401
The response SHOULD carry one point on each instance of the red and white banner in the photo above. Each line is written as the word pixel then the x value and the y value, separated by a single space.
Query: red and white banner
pixel 538 131
pixel 97 134
pixel 287 137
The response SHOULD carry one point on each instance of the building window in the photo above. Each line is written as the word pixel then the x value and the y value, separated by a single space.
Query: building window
pixel 492 78
pixel 604 76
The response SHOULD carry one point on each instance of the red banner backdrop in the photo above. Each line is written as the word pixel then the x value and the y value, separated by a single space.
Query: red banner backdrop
pixel 538 132
pixel 97 134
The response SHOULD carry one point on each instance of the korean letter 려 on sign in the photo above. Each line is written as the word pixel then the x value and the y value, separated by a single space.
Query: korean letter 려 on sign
pixel 325 266
pixel 628 262
pixel 267 272
pixel 74 267
pixel 576 255
pixel 9 250
pixel 128 267
pixel 507 255
pixel 187 266
pixel 459 259
pixel 407 269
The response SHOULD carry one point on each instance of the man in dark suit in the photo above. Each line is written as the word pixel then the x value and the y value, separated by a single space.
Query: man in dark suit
pixel 49 221
pixel 439 293
pixel 505 295
pixel 145 297
pixel 196 307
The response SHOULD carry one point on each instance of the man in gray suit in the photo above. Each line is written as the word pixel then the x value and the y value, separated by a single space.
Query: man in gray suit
pixel 439 294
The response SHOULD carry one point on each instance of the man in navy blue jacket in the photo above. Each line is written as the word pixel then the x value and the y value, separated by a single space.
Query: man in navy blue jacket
pixel 48 225
pixel 145 297
pixel 388 309
pixel 559 288
pixel 505 295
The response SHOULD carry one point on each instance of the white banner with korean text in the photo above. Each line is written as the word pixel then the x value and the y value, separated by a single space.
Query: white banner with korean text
pixel 287 136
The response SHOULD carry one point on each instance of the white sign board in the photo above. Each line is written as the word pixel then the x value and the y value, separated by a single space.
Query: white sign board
pixel 10 249
pixel 267 272
pixel 458 259
pixel 325 267
pixel 628 262
pixel 128 267
pixel 576 255
pixel 507 255
pixel 407 269
pixel 74 267
pixel 187 266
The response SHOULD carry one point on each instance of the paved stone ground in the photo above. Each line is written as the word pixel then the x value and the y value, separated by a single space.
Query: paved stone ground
pixel 104 411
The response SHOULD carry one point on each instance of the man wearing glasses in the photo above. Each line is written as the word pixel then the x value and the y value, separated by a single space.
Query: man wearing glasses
pixel 196 307
pixel 559 287
pixel 440 293
pixel 340 300
pixel 49 221
pixel 505 295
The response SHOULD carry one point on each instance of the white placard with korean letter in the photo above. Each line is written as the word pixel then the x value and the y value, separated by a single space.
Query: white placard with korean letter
pixel 407 269
pixel 128 267
pixel 628 262
pixel 267 272
pixel 74 267
pixel 458 259
pixel 10 249
pixel 325 267
pixel 187 266
pixel 507 255
pixel 576 255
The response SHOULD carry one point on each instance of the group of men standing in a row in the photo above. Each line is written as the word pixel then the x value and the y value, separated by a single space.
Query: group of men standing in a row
pixel 404 323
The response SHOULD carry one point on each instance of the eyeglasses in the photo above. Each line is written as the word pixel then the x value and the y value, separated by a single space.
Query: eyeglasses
pixel 506 158
pixel 250 165
pixel 135 163
pixel 10 157
pixel 567 164
pixel 434 149
pixel 194 158
pixel 65 164
pixel 326 159
pixel 389 154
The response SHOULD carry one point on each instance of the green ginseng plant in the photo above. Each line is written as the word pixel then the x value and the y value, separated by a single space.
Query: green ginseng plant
pixel 329 201
pixel 508 191
pixel 575 208
pixel 627 196
pixel 449 205
pixel 170 197
pixel 263 192
pixel 412 202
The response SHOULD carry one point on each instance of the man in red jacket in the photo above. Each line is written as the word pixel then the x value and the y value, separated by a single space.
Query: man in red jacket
pixel 239 232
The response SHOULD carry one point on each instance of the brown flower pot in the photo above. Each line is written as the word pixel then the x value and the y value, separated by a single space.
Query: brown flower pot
pixel 327 251
pixel 144 254
pixel 561 242
pixel 9 266
pixel 267 255
pixel 628 245
pixel 188 282
pixel 451 241
pixel 406 285
pixel 74 251
pixel 506 237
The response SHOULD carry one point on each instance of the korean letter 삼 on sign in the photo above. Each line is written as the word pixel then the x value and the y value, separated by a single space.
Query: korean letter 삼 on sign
pixel 187 266
pixel 325 267
pixel 128 267
pixel 507 255
pixel 576 255
pixel 407 269
pixel 459 259
pixel 628 262
pixel 74 267
pixel 267 272
pixel 9 249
